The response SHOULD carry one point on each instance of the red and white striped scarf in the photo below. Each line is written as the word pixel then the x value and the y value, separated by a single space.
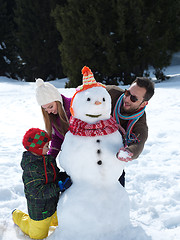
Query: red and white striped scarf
pixel 102 127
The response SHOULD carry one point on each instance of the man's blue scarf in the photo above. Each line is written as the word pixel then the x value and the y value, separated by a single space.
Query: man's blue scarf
pixel 128 135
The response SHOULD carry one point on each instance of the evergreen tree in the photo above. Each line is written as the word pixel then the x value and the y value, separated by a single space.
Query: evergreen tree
pixel 162 23
pixel 80 44
pixel 106 24
pixel 146 34
pixel 2 40
pixel 38 40
pixel 8 50
pixel 117 39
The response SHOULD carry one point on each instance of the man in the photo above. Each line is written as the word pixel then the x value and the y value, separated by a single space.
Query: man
pixel 128 108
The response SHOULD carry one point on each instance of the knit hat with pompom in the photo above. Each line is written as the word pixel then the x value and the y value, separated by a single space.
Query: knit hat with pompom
pixel 46 93
pixel 88 82
pixel 35 139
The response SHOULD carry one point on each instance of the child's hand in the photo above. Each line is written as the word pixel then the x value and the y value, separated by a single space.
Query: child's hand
pixel 65 185
pixel 124 155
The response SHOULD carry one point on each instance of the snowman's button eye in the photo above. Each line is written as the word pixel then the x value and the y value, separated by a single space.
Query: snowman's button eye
pixel 99 162
pixel 88 99
pixel 104 99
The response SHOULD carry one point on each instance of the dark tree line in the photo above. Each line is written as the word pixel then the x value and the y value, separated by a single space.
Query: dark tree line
pixel 117 39
pixel 29 40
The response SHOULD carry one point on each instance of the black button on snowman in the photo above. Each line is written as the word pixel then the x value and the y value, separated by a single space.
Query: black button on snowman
pixel 96 206
pixel 99 152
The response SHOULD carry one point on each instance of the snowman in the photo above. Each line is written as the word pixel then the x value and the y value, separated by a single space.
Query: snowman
pixel 96 206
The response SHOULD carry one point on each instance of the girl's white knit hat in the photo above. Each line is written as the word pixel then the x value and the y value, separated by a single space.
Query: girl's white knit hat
pixel 46 93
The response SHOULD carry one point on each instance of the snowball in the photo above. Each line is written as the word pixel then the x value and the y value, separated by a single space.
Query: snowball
pixel 123 154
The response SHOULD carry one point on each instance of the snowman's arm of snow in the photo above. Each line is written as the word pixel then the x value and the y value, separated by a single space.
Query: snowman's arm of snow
pixel 69 152
pixel 124 155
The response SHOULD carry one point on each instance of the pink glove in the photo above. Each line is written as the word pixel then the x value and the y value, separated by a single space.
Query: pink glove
pixel 124 155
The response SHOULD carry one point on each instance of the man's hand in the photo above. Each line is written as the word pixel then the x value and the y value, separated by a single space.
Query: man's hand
pixel 124 155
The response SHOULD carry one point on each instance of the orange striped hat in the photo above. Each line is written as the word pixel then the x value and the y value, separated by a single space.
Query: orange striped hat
pixel 88 82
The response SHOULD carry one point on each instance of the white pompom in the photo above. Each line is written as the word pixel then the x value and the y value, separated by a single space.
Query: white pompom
pixel 39 82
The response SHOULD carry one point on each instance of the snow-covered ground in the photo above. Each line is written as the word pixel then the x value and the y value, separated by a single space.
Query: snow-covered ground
pixel 152 181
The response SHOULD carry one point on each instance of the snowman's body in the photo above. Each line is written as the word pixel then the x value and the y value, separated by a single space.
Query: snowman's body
pixel 92 159
pixel 96 206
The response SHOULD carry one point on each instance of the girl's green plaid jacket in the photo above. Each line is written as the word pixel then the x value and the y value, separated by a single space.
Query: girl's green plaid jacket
pixel 40 178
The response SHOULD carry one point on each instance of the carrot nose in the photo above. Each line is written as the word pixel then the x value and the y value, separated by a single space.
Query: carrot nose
pixel 97 102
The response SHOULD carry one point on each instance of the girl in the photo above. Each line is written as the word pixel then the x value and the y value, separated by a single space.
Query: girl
pixel 56 113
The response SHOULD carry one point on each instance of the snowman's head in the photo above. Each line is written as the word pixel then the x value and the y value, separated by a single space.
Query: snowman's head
pixel 91 102
pixel 92 105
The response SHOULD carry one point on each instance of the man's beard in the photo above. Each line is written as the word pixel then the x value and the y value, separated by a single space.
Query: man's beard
pixel 129 111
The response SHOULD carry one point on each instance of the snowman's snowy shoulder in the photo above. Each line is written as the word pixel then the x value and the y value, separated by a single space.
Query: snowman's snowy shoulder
pixel 71 140
pixel 116 136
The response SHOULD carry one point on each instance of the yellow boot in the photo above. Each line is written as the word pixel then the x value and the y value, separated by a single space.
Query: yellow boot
pixel 35 229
